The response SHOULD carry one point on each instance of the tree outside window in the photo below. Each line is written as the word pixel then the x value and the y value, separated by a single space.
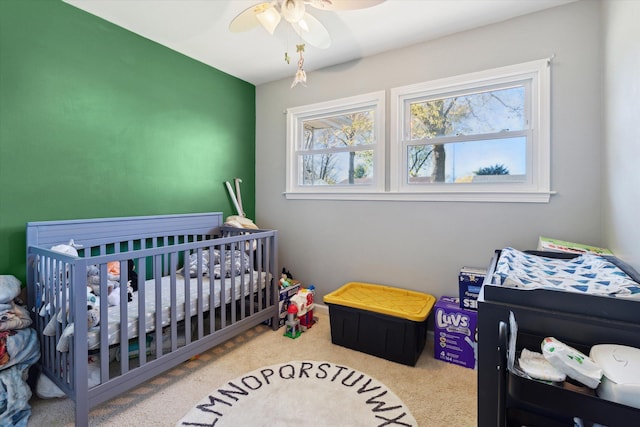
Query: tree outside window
pixel 326 138
pixel 439 126
pixel 337 145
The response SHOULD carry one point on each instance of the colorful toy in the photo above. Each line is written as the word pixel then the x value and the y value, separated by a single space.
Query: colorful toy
pixel 286 279
pixel 303 301
pixel 292 325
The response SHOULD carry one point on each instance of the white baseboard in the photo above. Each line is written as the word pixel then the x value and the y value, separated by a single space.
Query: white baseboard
pixel 321 307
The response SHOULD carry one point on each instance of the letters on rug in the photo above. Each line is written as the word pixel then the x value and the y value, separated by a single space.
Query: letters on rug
pixel 301 393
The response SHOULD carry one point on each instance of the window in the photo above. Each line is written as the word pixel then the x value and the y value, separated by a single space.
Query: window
pixel 336 147
pixel 481 136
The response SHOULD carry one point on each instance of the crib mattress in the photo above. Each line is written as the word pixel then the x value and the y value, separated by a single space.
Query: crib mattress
pixel 249 281
pixel 584 274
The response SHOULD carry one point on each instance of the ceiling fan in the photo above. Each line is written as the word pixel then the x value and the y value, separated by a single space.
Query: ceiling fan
pixel 269 15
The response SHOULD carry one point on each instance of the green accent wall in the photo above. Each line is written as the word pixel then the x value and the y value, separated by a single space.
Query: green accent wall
pixel 96 121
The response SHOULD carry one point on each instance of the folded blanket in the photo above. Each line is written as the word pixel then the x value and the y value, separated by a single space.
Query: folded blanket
pixel 18 347
pixel 14 397
pixel 14 317
pixel 9 288
pixel 587 274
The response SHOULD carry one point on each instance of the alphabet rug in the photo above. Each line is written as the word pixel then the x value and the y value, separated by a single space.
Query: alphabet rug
pixel 301 393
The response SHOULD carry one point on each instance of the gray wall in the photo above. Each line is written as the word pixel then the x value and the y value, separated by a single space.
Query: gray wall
pixel 622 133
pixel 422 245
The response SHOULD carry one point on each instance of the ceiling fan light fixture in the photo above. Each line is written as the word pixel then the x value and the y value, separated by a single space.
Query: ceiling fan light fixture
pixel 292 10
pixel 269 18
pixel 270 13
pixel 303 24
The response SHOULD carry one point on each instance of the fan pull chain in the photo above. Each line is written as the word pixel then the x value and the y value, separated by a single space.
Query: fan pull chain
pixel 301 76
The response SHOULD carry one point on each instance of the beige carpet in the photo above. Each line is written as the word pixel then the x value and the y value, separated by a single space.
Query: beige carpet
pixel 436 393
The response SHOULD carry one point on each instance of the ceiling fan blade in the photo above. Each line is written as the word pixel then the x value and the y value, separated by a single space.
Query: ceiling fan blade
pixel 343 4
pixel 312 31
pixel 247 19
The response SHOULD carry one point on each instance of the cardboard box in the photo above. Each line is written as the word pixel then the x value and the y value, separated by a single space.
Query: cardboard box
pixel 455 333
pixel 380 320
pixel 285 297
pixel 555 245
pixel 470 282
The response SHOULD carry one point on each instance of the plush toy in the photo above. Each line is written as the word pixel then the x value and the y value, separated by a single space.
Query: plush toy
pixel 133 276
pixel 285 278
pixel 93 303
pixel 93 319
pixel 69 249
pixel 284 281
pixel 113 281
pixel 93 309
pixel 61 281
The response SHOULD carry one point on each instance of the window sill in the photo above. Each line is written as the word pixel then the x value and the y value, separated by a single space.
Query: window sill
pixel 494 197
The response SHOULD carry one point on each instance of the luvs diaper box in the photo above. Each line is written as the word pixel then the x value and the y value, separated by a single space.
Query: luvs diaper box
pixel 455 333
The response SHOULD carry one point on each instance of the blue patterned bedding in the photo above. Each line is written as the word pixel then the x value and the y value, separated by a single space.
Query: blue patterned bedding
pixel 585 274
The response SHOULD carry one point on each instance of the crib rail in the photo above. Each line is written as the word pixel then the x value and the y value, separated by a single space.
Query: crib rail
pixel 146 342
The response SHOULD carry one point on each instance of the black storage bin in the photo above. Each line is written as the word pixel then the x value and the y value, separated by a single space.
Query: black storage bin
pixel 380 320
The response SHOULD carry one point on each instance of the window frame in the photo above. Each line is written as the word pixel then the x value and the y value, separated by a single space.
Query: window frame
pixel 295 130
pixel 389 168
pixel 536 187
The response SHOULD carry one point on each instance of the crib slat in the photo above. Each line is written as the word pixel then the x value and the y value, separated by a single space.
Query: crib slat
pixel 124 321
pixel 187 292
pixel 223 289
pixel 231 272
pixel 142 321
pixel 173 310
pixel 157 277
pixel 212 305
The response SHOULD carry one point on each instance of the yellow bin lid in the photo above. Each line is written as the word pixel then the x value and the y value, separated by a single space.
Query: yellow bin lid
pixel 396 302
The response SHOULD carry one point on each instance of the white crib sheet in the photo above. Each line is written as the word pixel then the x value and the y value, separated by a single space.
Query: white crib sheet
pixel 250 281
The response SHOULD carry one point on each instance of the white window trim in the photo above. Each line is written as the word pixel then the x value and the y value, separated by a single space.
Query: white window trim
pixel 295 117
pixel 537 191
pixel 540 164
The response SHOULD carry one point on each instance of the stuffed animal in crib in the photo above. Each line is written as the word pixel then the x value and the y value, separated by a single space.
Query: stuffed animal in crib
pixel 93 319
pixel 93 310
pixel 67 249
pixel 93 314
pixel 113 281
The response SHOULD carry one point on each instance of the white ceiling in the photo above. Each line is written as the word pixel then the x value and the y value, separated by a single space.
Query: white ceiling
pixel 199 29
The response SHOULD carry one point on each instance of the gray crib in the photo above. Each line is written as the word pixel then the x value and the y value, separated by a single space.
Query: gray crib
pixel 197 284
